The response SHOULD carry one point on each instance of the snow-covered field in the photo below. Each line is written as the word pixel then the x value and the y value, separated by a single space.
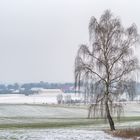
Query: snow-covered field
pixel 41 111
pixel 19 114
pixel 130 108
pixel 19 119
pixel 55 134
pixel 31 99
pixel 43 98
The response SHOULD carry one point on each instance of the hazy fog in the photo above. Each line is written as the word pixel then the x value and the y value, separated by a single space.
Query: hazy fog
pixel 39 38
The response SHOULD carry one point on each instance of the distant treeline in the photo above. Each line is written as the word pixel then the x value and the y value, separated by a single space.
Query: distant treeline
pixel 26 88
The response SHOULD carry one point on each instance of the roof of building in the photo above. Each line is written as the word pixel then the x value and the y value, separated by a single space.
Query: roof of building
pixel 47 90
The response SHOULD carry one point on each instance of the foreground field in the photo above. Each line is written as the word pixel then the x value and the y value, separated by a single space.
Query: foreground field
pixel 55 134
pixel 51 122
pixel 46 116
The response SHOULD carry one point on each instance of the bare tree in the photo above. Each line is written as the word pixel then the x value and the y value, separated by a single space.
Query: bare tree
pixel 67 99
pixel 130 89
pixel 59 98
pixel 106 63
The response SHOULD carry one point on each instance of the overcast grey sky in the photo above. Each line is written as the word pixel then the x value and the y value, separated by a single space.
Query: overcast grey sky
pixel 39 38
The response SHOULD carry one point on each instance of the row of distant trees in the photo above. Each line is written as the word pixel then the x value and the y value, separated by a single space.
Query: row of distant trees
pixel 26 87
pixel 66 99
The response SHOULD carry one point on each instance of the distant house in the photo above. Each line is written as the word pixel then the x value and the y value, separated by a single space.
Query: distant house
pixel 16 91
pixel 47 91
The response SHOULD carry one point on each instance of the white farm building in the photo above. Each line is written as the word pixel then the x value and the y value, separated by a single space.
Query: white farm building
pixel 47 91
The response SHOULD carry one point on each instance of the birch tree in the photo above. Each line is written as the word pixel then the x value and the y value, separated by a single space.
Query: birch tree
pixel 107 62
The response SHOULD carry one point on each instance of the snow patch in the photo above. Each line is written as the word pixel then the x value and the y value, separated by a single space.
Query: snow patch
pixel 55 134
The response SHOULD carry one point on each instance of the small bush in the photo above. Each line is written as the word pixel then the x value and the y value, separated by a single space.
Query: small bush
pixel 126 133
